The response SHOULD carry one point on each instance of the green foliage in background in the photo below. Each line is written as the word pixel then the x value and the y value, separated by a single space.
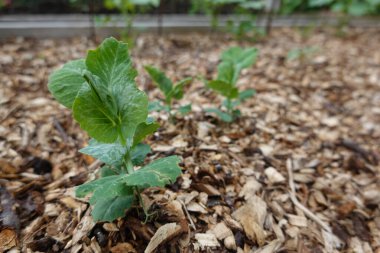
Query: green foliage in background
pixel 247 28
pixel 129 9
pixel 233 61
pixel 170 91
pixel 101 92
pixel 301 54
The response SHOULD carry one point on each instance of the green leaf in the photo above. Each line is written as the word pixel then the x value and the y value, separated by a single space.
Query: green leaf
pixel 227 72
pixel 111 197
pixel 160 79
pixel 109 153
pixel 246 94
pixel 254 5
pixel 222 115
pixel 111 62
pixel 113 154
pixel 139 152
pixel 177 91
pixel 110 105
pixel 226 89
pixel 110 189
pixel 242 58
pixel 319 3
pixel 358 8
pixel 84 189
pixel 108 170
pixel 65 83
pixel 143 130
pixel 236 113
pixel 155 106
pixel 183 110
pixel 158 173
pixel 110 209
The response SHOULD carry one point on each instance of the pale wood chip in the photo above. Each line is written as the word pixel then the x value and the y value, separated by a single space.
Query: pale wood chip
pixel 162 235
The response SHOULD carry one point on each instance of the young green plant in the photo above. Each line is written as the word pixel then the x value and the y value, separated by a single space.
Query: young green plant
pixel 171 91
pixel 104 98
pixel 302 54
pixel 233 61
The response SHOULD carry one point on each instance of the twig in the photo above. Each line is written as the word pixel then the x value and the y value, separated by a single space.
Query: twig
pixel 60 129
pixel 355 147
pixel 292 194
pixel 188 215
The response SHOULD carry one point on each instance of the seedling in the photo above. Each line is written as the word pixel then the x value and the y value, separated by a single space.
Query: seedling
pixel 301 54
pixel 171 91
pixel 233 61
pixel 101 92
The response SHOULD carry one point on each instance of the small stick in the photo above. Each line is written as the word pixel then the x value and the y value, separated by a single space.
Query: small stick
pixel 60 130
pixel 188 215
pixel 292 194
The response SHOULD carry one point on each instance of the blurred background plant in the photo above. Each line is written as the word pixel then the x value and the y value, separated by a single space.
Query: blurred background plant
pixel 209 7
pixel 129 8
pixel 247 19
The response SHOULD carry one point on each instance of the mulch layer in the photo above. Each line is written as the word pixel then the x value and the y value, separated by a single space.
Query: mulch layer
pixel 298 172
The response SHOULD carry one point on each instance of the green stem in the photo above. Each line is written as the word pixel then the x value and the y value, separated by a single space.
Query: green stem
pixel 229 106
pixel 142 205
pixel 128 163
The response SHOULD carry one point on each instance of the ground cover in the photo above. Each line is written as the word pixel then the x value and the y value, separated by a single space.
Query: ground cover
pixel 298 172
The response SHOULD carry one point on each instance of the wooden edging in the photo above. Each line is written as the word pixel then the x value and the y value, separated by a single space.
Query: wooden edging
pixel 49 26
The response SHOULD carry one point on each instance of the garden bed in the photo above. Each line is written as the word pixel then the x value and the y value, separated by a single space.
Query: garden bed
pixel 299 172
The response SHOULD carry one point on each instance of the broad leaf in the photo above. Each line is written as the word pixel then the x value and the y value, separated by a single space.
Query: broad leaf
pixel 143 130
pixel 177 91
pixel 89 187
pixel 160 79
pixel 109 153
pixel 110 209
pixel 120 107
pixel 226 89
pixel 111 197
pixel 113 153
pixel 241 58
pixel 157 106
pixel 65 83
pixel 139 152
pixel 183 110
pixel 111 62
pixel 246 94
pixel 222 115
pixel 108 170
pixel 158 173
pixel 111 189
pixel 227 72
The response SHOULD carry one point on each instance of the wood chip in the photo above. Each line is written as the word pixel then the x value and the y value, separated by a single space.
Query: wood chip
pixel 162 235
pixel 251 216
pixel 206 241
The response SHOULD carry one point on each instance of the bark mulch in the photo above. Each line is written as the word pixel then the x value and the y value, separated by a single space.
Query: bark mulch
pixel 299 172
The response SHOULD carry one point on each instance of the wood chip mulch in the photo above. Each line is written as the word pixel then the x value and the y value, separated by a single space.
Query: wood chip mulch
pixel 299 172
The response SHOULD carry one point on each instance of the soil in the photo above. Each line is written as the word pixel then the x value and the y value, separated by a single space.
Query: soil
pixel 298 172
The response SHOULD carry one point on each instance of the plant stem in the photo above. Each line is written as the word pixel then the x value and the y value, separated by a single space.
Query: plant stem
pixel 229 106
pixel 128 163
